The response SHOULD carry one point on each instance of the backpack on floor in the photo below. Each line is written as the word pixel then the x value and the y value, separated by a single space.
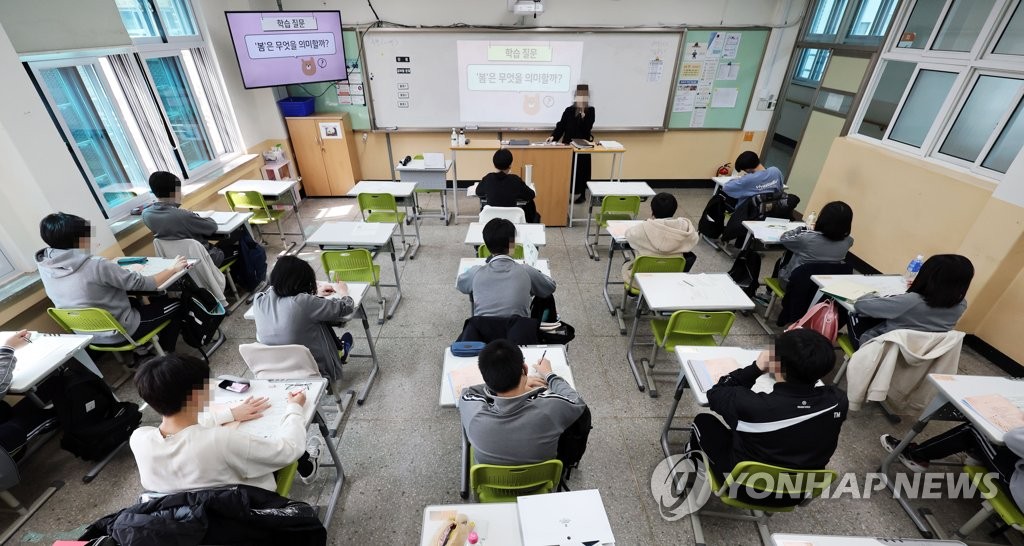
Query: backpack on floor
pixel 201 316
pixel 251 269
pixel 572 444
pixel 712 220
pixel 746 271
pixel 822 317
pixel 94 422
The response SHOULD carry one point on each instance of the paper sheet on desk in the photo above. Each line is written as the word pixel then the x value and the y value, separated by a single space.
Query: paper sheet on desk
pixel 433 160
pixel 709 372
pixel 998 410
pixel 847 290
pixel 462 378
pixel 618 229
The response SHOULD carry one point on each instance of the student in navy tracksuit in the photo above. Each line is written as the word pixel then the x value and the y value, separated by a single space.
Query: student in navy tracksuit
pixel 794 426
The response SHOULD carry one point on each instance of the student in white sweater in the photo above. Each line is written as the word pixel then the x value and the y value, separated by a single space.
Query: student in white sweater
pixel 183 455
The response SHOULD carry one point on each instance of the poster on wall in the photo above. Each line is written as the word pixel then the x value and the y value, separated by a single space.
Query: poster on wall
pixel 330 130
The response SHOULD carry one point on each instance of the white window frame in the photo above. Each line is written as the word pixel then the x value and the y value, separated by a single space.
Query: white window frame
pixel 990 47
pixel 111 212
pixel 928 53
pixel 936 125
pixel 841 24
pixel 164 38
pixel 975 166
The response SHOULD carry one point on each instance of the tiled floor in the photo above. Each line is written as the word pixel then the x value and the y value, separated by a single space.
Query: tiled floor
pixel 401 450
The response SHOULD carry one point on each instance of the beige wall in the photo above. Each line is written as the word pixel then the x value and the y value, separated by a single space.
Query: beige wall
pixel 905 206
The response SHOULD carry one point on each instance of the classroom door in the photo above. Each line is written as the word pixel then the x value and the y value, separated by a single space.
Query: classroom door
pixel 829 114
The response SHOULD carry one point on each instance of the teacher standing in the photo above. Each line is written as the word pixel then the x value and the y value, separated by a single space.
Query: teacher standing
pixel 577 122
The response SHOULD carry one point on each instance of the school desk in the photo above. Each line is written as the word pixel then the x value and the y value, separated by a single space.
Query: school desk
pixel 405 196
pixel 278 194
pixel 497 523
pixel 779 539
pixel 534 233
pixel 617 231
pixel 154 266
pixel 618 154
pixel 428 179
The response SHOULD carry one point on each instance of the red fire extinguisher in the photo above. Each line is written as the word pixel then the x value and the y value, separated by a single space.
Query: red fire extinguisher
pixel 725 170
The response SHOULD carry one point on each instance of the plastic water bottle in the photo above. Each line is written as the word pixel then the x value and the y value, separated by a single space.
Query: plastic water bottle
pixel 810 219
pixel 912 268
pixel 462 137
pixel 455 137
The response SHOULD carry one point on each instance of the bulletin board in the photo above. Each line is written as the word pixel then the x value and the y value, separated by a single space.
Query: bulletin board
pixel 348 97
pixel 715 79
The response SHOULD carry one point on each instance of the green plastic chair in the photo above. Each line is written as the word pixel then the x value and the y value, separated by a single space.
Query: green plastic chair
pixel 225 268
pixel 353 265
pixel 483 252
pixel 262 214
pixel 382 208
pixel 996 500
pixel 801 485
pixel 651 264
pixel 92 320
pixel 285 477
pixel 778 292
pixel 615 207
pixel 690 328
pixel 846 344
pixel 493 483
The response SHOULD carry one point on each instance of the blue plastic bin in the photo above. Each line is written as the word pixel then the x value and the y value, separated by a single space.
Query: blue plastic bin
pixel 296 106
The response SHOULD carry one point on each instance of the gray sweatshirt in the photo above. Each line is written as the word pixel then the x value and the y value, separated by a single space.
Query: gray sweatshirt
pixel 811 246
pixel 504 288
pixel 75 279
pixel 169 221
pixel 7 362
pixel 1015 442
pixel 907 312
pixel 522 429
pixel 303 319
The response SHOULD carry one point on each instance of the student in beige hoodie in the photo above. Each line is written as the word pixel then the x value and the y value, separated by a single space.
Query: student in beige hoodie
pixel 662 235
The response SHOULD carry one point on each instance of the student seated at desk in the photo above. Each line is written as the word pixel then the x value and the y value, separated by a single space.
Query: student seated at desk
pixel 503 189
pixel 773 428
pixel 934 302
pixel 167 220
pixel 182 454
pixel 294 311
pixel 757 179
pixel 502 287
pixel 828 240
pixel 25 417
pixel 74 279
pixel 515 418
pixel 1004 460
pixel 662 235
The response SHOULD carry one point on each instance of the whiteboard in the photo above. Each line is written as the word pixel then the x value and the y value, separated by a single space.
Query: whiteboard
pixel 413 76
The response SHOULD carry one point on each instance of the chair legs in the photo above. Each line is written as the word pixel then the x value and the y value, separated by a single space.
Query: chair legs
pixel 842 370
pixel 968 527
pixel 757 517
pixel 26 513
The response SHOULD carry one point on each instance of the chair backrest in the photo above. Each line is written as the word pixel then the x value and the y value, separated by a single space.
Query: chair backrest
pixel 621 204
pixel 353 265
pixel 279 361
pixel 750 481
pixel 512 214
pixel 383 202
pixel 204 272
pixel 493 483
pixel 249 200
pixel 285 477
pixel 517 253
pixel 704 323
pixel 88 320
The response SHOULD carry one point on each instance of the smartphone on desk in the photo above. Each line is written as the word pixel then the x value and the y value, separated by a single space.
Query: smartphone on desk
pixel 234 386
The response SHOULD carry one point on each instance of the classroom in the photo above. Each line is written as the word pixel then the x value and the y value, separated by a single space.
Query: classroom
pixel 677 271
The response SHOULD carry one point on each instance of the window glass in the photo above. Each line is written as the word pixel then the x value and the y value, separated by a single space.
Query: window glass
pixel 176 17
pixel 872 19
pixel 137 18
pixel 1009 143
pixel 181 109
pixel 922 106
pixel 891 85
pixel 827 17
pixel 97 132
pixel 981 114
pixel 962 25
pixel 921 23
pixel 1012 40
pixel 812 64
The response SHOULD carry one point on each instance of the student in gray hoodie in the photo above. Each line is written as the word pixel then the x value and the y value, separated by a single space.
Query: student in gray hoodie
pixel 168 221
pixel 515 418
pixel 827 241
pixel 503 287
pixel 74 279
pixel 662 235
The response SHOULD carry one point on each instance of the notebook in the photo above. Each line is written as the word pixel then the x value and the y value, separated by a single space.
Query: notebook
pixel 433 160
pixel 847 290
pixel 611 144
pixel 581 143
pixel 998 410
pixel 572 518
pixel 708 372
pixel 464 377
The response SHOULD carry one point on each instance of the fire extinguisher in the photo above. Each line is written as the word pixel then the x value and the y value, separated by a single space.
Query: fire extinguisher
pixel 725 170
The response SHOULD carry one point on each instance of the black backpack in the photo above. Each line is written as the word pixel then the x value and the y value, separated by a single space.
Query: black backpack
pixel 572 444
pixel 251 269
pixel 746 271
pixel 94 422
pixel 201 316
pixel 712 220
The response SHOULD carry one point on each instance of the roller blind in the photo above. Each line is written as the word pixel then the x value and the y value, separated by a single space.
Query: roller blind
pixel 36 26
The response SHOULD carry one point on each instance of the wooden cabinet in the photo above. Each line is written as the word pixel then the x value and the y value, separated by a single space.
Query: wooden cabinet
pixel 552 171
pixel 325 152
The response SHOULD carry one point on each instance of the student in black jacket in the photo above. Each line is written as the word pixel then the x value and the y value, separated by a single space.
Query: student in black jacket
pixel 503 189
pixel 577 122
pixel 795 426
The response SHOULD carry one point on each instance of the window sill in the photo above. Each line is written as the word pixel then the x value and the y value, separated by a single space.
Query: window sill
pixel 20 294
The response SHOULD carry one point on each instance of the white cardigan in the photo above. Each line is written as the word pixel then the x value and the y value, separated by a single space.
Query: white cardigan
pixel 895 366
